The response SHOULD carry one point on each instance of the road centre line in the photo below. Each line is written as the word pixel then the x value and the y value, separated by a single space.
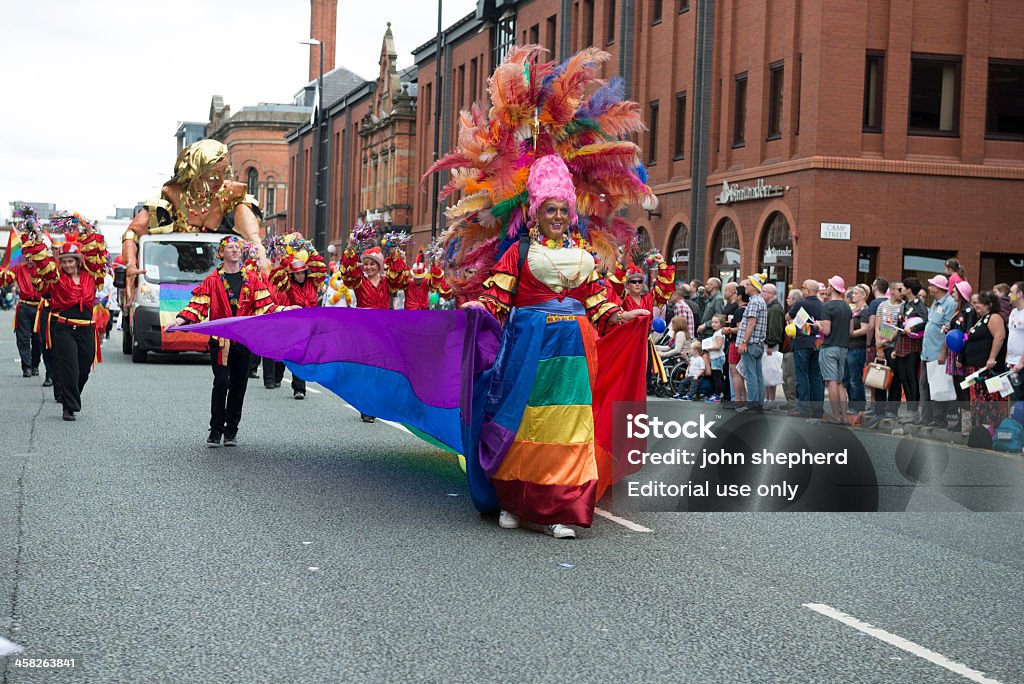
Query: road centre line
pixel 901 643
pixel 601 512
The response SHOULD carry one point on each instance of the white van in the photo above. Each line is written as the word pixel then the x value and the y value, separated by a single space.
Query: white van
pixel 175 263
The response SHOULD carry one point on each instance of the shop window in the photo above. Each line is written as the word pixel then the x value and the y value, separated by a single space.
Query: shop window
pixel 679 134
pixel 867 265
pixel 874 75
pixel 679 251
pixel 775 80
pixel 739 121
pixel 725 252
pixel 1004 116
pixel 934 95
pixel 924 264
pixel 776 252
pixel 652 131
pixel 643 241
pixel 1000 268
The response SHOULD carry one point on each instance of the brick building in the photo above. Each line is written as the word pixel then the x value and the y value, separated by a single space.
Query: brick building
pixel 807 139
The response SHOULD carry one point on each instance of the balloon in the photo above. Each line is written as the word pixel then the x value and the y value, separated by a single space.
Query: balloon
pixel 791 329
pixel 434 299
pixel 955 341
pixel 659 325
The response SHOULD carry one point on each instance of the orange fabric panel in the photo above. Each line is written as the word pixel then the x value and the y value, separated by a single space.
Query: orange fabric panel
pixel 549 464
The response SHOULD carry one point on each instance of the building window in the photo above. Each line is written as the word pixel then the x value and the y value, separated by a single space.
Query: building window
pixel 874 79
pixel 652 139
pixel 609 21
pixel 996 267
pixel 428 102
pixel 504 38
pixel 775 79
pixel 680 251
pixel 684 6
pixel 934 95
pixel 461 81
pixel 725 252
pixel 776 252
pixel 679 134
pixel 655 12
pixel 535 34
pixel 252 182
pixel 552 37
pixel 643 240
pixel 1004 117
pixel 739 121
pixel 796 91
pixel 588 23
pixel 924 264
pixel 271 207
pixel 474 78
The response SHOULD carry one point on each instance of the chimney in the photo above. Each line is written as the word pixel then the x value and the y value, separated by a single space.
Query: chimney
pixel 323 26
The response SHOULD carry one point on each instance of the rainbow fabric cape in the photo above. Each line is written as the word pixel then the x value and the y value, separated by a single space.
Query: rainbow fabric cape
pixel 429 370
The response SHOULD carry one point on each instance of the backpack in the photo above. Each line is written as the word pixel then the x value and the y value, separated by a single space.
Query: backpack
pixel 980 437
pixel 1009 436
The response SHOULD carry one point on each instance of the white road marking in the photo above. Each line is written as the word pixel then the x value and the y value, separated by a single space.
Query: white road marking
pixel 622 521
pixel 900 642
pixel 9 647
pixel 601 512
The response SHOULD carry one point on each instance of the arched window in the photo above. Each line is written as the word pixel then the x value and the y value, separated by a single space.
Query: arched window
pixel 725 252
pixel 643 241
pixel 679 251
pixel 251 180
pixel 775 254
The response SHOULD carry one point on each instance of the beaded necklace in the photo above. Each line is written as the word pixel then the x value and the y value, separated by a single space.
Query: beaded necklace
pixel 232 299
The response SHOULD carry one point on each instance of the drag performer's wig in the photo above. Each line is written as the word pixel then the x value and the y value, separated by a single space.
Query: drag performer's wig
pixel 549 179
pixel 196 160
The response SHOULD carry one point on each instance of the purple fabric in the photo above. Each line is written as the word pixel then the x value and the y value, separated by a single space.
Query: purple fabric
pixel 424 346
pixel 495 441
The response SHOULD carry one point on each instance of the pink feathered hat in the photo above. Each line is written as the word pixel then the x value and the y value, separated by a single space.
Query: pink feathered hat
pixel 550 178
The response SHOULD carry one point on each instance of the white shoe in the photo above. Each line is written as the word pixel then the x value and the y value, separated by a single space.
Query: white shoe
pixel 560 531
pixel 507 521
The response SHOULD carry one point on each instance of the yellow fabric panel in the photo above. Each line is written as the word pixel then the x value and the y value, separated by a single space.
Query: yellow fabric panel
pixel 549 464
pixel 558 424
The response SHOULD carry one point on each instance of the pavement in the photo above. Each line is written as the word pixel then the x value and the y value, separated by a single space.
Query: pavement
pixel 324 549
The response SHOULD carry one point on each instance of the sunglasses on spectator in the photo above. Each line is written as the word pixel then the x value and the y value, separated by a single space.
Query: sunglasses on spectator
pixel 635 282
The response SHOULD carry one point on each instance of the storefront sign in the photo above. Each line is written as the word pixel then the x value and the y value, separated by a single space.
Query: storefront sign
pixel 773 254
pixel 835 231
pixel 734 193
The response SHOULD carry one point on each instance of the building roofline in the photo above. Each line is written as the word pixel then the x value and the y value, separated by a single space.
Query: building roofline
pixel 454 33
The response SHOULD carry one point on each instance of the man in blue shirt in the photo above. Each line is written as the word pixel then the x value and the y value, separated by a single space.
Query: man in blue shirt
pixel 933 349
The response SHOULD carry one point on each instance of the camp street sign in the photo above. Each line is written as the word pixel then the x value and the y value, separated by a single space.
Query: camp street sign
pixel 761 190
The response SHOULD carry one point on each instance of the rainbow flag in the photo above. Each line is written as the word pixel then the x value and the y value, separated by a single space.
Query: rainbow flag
pixel 173 298
pixel 13 256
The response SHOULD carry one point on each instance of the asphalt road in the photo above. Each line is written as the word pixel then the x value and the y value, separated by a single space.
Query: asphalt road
pixel 322 549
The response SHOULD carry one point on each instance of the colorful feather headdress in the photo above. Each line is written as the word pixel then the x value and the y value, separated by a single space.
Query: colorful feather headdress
pixel 537 109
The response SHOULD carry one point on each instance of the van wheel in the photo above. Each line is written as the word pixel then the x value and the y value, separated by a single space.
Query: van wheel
pixel 138 355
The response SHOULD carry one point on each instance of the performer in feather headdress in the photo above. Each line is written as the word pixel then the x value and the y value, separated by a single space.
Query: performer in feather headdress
pixel 542 177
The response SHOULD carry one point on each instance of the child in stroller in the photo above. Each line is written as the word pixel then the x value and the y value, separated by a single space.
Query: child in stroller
pixel 697 381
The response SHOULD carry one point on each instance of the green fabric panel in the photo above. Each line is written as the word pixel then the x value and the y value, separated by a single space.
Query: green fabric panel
pixel 563 380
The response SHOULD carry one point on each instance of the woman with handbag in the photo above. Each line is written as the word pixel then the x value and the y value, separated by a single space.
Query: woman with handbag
pixel 879 374
pixel 856 355
pixel 986 348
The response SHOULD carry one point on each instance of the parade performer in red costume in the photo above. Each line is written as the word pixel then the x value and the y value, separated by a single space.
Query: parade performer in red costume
pixel 14 269
pixel 298 279
pixel 70 282
pixel 229 291
pixel 658 294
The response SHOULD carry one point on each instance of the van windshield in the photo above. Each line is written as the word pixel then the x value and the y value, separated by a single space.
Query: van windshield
pixel 179 262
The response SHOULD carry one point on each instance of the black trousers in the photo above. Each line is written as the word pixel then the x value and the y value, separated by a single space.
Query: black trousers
pixel 273 374
pixel 887 402
pixel 30 344
pixel 907 370
pixel 74 347
pixel 229 383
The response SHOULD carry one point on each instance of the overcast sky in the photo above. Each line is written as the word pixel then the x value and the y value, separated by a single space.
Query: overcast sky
pixel 93 90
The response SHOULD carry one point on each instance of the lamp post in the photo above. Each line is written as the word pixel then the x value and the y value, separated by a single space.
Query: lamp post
pixel 319 232
pixel 437 123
